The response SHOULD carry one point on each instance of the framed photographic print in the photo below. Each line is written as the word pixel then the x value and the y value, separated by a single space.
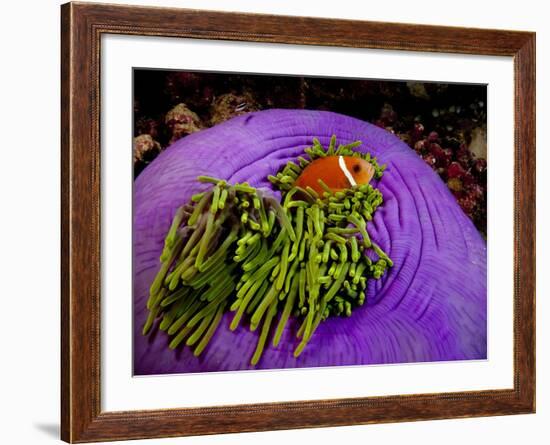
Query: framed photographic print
pixel 277 222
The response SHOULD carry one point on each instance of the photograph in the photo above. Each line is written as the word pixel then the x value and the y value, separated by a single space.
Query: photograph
pixel 285 221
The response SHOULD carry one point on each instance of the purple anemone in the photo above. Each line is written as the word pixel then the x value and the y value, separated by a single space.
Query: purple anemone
pixel 431 306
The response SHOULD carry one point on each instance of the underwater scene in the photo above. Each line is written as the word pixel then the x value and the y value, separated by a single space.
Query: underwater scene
pixel 290 222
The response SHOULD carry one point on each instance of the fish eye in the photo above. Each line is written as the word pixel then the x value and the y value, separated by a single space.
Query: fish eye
pixel 356 168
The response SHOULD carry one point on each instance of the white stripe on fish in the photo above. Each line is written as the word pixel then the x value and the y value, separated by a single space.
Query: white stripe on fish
pixel 344 168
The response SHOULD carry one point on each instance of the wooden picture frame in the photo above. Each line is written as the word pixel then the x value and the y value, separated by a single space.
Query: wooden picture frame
pixel 82 26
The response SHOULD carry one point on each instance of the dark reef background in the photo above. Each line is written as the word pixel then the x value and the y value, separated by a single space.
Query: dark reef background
pixel 446 124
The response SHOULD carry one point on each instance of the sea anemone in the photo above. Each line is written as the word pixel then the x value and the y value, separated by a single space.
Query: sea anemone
pixel 430 306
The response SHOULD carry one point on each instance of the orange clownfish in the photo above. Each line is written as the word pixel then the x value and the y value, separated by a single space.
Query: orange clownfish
pixel 337 172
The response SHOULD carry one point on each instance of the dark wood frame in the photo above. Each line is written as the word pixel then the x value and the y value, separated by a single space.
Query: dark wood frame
pixel 81 27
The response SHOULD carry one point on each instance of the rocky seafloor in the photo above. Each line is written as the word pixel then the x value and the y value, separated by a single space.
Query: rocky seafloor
pixel 446 124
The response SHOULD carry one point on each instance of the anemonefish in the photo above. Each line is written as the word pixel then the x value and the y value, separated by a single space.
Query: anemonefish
pixel 337 172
